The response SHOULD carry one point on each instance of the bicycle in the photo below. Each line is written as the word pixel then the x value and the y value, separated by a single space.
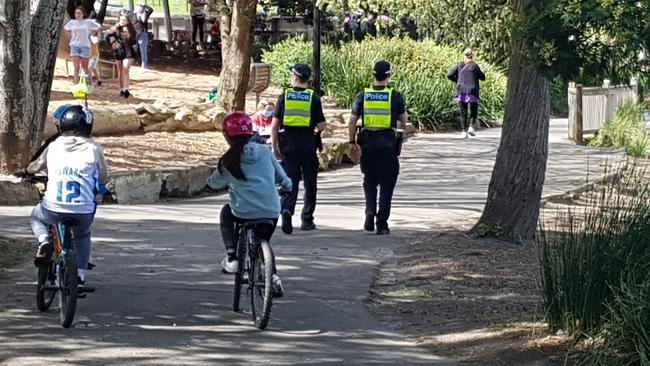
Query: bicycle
pixel 59 274
pixel 255 271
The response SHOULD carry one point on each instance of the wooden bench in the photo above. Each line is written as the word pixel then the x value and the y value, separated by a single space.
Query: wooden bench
pixel 259 79
pixel 107 69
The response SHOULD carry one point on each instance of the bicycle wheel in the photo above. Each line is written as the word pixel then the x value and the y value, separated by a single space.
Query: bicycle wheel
pixel 67 278
pixel 239 276
pixel 44 297
pixel 261 273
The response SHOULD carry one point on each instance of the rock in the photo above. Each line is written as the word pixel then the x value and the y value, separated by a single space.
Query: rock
pixel 333 154
pixel 151 109
pixel 137 187
pixel 140 108
pixel 162 107
pixel 186 182
pixel 14 192
pixel 183 114
pixel 410 130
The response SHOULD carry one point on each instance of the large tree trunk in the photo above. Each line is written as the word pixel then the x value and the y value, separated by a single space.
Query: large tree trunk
pixel 29 36
pixel 236 43
pixel 514 194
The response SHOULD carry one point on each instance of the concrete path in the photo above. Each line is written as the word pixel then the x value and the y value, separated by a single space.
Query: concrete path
pixel 161 298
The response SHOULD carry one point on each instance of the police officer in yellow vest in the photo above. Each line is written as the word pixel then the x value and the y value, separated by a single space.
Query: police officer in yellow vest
pixel 382 110
pixel 297 118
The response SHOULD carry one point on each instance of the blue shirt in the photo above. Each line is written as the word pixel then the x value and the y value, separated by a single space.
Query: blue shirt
pixel 256 197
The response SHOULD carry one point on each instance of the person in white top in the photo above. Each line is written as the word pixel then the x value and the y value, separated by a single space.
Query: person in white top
pixel 198 18
pixel 77 172
pixel 80 29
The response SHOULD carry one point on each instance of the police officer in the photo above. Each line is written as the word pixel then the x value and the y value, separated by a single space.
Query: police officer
pixel 382 110
pixel 297 119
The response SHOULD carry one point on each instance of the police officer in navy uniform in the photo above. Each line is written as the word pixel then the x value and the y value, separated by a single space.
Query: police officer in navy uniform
pixel 297 120
pixel 382 110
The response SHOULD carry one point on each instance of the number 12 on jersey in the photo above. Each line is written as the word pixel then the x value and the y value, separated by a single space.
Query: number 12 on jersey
pixel 72 191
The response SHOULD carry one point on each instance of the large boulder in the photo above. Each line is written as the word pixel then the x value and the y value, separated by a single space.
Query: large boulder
pixel 14 192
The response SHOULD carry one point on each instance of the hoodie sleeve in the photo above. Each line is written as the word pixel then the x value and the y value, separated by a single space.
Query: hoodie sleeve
pixel 39 164
pixel 101 164
pixel 217 180
pixel 453 74
pixel 280 176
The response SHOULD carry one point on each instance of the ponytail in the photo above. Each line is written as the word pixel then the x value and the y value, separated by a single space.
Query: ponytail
pixel 231 160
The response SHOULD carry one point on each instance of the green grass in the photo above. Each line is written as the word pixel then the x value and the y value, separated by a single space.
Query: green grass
pixel 420 74
pixel 176 7
pixel 595 264
pixel 625 129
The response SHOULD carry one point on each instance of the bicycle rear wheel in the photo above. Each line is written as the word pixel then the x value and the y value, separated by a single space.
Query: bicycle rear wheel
pixel 46 278
pixel 261 274
pixel 67 278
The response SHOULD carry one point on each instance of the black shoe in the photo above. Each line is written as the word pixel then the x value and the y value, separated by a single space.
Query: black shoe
pixel 307 226
pixel 122 93
pixel 90 266
pixel 99 83
pixel 44 253
pixel 127 94
pixel 82 288
pixel 287 227
pixel 369 224
pixel 383 231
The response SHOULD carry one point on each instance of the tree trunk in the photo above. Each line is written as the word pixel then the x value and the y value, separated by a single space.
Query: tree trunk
pixel 514 194
pixel 29 37
pixel 236 42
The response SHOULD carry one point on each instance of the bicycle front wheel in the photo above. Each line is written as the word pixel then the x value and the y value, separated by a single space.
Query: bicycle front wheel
pixel 261 273
pixel 67 278
pixel 46 278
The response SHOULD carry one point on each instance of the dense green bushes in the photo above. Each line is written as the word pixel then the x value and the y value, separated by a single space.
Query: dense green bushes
pixel 626 129
pixel 595 263
pixel 420 73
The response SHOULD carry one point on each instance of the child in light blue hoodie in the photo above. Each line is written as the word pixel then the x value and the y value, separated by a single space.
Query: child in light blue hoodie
pixel 251 173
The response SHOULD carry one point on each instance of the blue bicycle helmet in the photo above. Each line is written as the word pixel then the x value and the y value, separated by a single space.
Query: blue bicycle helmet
pixel 74 120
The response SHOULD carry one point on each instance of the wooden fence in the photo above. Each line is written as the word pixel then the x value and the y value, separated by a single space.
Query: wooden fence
pixel 590 108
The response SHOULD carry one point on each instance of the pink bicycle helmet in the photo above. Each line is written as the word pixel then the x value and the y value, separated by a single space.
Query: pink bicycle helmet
pixel 237 123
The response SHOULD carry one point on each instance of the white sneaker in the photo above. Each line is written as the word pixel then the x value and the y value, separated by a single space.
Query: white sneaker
pixel 276 287
pixel 229 267
pixel 463 135
pixel 471 131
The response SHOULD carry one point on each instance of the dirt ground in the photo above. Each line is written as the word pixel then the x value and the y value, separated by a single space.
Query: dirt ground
pixel 14 251
pixel 186 82
pixel 479 300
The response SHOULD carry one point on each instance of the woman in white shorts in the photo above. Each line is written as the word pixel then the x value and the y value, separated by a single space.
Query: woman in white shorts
pixel 80 29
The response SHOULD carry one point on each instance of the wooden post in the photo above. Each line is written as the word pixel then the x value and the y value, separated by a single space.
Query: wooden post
pixel 131 5
pixel 577 127
pixel 168 20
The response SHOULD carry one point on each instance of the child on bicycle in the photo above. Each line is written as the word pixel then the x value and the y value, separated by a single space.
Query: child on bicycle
pixel 251 173
pixel 76 172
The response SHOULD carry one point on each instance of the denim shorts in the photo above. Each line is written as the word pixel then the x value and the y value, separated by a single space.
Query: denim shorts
pixel 93 63
pixel 80 51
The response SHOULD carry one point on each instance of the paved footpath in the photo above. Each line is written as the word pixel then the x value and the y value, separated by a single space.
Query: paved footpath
pixel 162 300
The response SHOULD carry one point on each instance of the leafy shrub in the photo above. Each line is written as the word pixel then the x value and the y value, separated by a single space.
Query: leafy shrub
pixel 420 73
pixel 588 261
pixel 626 129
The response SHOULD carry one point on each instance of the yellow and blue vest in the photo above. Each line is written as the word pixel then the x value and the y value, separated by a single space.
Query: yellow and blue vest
pixel 377 108
pixel 297 107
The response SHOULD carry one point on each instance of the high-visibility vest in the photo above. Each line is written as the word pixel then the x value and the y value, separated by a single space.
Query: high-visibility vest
pixel 297 107
pixel 377 107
